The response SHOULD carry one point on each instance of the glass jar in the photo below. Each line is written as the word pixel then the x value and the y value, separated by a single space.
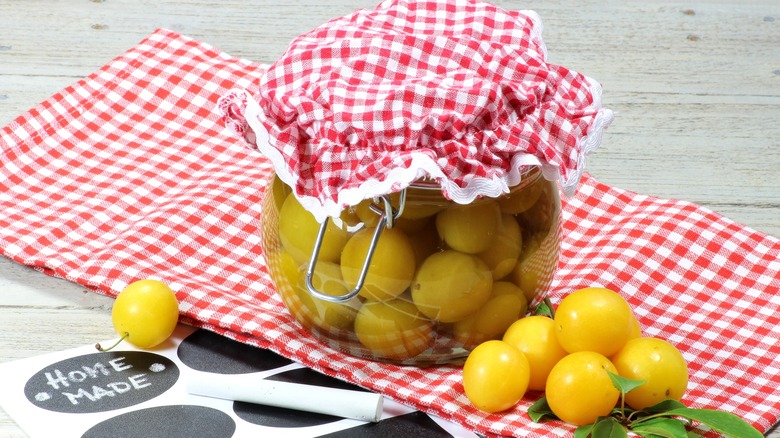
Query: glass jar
pixel 412 278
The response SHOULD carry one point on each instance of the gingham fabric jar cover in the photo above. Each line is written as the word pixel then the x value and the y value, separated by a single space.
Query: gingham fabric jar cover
pixel 454 91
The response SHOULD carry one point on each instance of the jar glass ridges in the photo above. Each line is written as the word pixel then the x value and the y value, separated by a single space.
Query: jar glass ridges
pixel 442 277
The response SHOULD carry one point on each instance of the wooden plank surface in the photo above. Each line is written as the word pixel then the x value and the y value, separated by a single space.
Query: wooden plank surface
pixel 696 88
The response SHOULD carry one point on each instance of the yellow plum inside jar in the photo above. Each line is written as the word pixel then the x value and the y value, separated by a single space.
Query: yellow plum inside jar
pixel 430 289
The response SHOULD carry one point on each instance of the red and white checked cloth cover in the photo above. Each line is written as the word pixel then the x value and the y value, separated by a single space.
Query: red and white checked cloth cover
pixel 130 173
pixel 455 90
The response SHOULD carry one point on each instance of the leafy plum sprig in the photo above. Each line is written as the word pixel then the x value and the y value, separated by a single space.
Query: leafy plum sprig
pixel 667 419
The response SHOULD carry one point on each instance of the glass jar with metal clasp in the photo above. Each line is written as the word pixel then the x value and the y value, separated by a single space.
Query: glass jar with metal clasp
pixel 412 277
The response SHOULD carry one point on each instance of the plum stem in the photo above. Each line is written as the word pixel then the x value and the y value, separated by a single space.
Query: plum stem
pixel 100 348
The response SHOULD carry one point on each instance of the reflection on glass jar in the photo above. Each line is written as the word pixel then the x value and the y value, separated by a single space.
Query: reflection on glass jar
pixel 441 277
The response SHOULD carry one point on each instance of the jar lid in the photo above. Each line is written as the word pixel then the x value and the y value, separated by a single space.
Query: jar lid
pixel 453 91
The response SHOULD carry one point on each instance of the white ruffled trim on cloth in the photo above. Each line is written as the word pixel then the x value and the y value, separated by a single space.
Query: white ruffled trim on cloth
pixel 422 165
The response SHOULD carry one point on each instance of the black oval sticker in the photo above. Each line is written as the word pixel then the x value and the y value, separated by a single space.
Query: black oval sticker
pixel 180 421
pixel 101 382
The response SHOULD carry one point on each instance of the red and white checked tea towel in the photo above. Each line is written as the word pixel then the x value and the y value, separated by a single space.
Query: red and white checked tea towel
pixel 130 173
pixel 455 90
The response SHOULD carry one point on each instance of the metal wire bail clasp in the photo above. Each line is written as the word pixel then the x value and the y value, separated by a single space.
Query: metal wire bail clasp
pixel 387 217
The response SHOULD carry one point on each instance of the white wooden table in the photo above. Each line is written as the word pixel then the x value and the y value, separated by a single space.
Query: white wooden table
pixel 696 88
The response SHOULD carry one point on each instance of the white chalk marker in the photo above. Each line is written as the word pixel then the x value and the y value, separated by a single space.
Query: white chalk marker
pixel 358 405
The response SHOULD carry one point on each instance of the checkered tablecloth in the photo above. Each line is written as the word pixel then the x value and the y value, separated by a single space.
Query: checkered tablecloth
pixel 130 173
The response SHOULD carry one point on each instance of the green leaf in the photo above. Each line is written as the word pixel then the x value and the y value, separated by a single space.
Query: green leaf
pixel 545 308
pixel 661 427
pixel 623 384
pixel 540 410
pixel 583 431
pixel 608 427
pixel 664 406
pixel 724 422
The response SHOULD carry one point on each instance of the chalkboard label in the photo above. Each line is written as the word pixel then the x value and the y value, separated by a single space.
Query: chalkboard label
pixel 101 382
pixel 177 421
pixel 207 351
